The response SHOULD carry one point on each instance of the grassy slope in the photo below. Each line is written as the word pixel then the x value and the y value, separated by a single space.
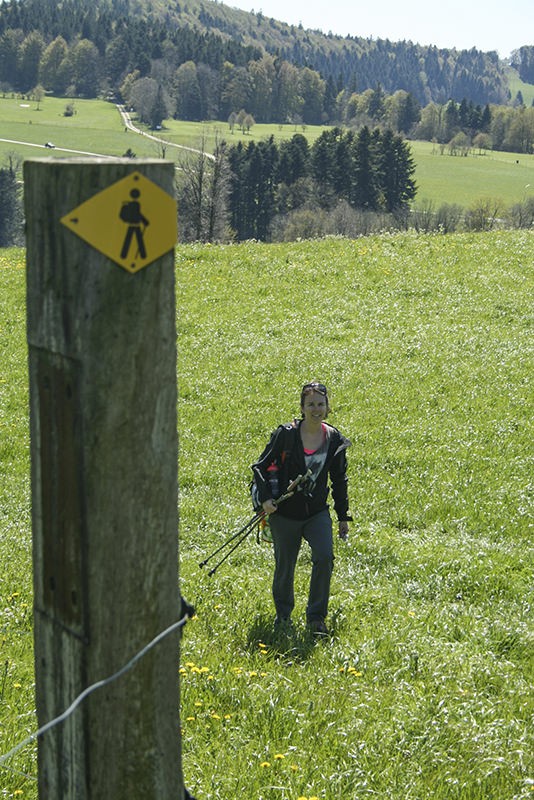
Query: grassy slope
pixel 97 127
pixel 425 689
pixel 463 180
pixel 517 85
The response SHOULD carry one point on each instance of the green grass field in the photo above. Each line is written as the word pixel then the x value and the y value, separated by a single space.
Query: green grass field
pixel 508 177
pixel 424 689
pixel 517 85
pixel 97 128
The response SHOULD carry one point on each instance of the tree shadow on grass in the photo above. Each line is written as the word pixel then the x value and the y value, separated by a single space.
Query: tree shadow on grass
pixel 287 641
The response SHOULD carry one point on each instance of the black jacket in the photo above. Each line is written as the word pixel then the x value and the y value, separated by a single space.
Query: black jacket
pixel 286 451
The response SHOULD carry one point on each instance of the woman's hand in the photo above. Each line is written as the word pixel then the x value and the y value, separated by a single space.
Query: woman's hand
pixel 269 506
pixel 343 530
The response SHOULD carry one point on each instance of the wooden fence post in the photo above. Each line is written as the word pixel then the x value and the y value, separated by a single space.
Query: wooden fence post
pixel 102 362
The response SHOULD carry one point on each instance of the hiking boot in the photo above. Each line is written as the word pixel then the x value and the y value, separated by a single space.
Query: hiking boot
pixel 318 627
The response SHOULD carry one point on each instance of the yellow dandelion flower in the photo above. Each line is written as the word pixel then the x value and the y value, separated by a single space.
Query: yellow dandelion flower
pixel 210 678
pixel 182 671
pixel 204 669
pixel 17 685
pixel 18 792
pixel 215 716
pixel 252 674
pixel 279 756
pixel 411 613
pixel 198 703
pixel 189 664
pixel 294 768
pixel 265 764
pixel 228 716
pixel 190 719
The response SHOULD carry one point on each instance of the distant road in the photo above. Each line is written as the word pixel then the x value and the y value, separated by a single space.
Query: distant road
pixel 57 149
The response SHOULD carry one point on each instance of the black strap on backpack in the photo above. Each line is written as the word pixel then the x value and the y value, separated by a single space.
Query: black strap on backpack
pixel 285 431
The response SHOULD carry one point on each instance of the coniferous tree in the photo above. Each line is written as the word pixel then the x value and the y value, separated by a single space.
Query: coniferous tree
pixel 395 168
pixel 364 180
pixel 10 208
pixel 261 198
pixel 485 120
pixel 324 166
pixel 160 110
pixel 294 158
pixel 409 113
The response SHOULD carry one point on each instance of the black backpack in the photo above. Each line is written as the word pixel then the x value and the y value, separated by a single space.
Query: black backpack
pixel 276 489
pixel 129 212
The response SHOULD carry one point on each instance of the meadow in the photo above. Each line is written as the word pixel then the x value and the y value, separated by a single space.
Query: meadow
pixel 423 690
pixel 517 85
pixel 97 128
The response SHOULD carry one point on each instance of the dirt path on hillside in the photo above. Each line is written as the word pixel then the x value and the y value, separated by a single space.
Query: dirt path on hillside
pixel 126 118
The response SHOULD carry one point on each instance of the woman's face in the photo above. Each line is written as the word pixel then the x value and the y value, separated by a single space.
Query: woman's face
pixel 315 407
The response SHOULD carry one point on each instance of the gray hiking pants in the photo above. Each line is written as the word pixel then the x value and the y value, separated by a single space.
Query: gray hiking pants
pixel 287 538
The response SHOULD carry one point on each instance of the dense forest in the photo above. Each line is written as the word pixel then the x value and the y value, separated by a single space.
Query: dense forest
pixel 86 48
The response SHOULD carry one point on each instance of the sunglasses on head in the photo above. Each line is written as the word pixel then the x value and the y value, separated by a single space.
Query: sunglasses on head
pixel 315 387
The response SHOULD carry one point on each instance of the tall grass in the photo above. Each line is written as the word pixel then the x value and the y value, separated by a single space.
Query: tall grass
pixel 424 688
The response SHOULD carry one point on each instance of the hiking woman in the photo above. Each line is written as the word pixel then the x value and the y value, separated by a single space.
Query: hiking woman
pixel 307 446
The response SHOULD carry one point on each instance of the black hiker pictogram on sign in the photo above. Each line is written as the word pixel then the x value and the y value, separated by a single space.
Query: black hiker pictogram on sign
pixel 131 214
pixel 119 227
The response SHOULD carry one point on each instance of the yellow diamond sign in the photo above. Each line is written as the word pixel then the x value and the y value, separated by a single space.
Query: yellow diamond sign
pixel 132 222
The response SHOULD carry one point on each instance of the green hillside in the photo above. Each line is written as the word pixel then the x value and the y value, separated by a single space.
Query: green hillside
pixel 137 36
pixel 97 128
pixel 517 85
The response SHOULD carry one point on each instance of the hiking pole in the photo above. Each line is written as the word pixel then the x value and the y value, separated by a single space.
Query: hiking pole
pixel 251 524
pixel 250 527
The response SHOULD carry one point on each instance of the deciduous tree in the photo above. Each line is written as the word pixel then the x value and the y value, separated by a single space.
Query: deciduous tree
pixel 53 68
